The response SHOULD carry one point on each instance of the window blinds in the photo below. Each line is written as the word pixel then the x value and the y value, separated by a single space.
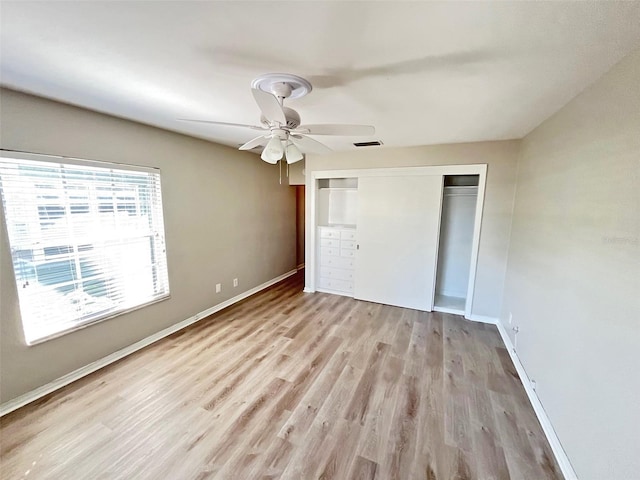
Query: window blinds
pixel 87 240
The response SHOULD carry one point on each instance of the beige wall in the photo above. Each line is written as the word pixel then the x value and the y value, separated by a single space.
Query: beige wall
pixel 501 158
pixel 296 173
pixel 226 216
pixel 573 278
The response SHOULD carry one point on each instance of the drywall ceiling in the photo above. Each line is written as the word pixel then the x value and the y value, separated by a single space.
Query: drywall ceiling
pixel 421 72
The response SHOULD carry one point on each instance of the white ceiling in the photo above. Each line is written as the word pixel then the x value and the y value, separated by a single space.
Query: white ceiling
pixel 421 72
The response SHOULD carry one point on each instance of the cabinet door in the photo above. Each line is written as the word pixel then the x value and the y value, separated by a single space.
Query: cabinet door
pixel 398 228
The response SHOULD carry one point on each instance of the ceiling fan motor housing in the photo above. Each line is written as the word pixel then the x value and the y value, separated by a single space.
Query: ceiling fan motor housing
pixel 293 118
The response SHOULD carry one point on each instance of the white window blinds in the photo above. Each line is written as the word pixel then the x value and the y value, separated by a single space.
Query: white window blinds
pixel 87 240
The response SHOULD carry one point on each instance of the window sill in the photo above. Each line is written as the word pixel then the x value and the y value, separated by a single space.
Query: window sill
pixel 94 321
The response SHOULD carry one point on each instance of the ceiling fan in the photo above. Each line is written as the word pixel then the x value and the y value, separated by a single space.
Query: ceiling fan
pixel 282 134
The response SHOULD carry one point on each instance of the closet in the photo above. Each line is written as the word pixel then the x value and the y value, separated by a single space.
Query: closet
pixel 337 208
pixel 457 221
pixel 398 236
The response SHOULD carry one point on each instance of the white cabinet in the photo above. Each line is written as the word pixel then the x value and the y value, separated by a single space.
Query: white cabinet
pixel 336 259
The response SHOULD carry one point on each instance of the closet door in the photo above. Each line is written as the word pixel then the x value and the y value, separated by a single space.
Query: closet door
pixel 398 227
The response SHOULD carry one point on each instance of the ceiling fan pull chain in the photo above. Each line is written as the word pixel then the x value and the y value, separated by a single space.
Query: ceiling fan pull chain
pixel 280 163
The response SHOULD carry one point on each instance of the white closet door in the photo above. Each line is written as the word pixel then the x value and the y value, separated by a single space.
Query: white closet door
pixel 398 227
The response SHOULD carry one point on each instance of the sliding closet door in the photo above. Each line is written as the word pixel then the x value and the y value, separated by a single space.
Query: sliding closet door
pixel 398 228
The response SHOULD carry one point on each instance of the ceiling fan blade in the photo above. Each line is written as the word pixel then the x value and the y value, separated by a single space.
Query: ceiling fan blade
pixel 226 124
pixel 254 143
pixel 336 129
pixel 309 145
pixel 270 106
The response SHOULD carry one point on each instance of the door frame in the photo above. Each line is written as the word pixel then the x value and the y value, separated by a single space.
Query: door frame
pixel 311 211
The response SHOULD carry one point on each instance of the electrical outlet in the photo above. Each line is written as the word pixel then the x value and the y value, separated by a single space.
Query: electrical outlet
pixel 218 287
pixel 235 282
pixel 510 318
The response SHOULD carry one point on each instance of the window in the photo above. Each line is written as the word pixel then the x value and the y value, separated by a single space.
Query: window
pixel 87 240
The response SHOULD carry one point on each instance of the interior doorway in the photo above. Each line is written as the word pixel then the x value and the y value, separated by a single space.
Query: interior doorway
pixel 300 221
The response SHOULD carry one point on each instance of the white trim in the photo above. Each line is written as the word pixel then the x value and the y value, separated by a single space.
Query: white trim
pixel 300 267
pixel 561 456
pixel 461 169
pixel 43 157
pixel 334 292
pixel 310 233
pixel 312 178
pixel 58 383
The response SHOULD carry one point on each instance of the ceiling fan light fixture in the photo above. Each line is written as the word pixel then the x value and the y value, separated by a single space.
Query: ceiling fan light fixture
pixel 273 151
pixel 293 154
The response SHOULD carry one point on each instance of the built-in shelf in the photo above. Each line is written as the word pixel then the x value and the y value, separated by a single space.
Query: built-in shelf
pixel 337 201
pixel 338 183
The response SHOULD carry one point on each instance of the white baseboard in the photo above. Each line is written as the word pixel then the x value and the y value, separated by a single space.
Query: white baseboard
pixel 550 433
pixel 561 456
pixel 334 292
pixel 39 392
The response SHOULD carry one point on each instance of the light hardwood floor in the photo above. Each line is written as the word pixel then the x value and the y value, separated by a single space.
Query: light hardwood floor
pixel 292 386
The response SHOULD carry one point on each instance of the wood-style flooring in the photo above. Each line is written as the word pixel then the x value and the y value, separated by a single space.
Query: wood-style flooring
pixel 291 385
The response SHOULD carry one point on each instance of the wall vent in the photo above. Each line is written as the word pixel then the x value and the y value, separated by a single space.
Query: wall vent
pixel 377 143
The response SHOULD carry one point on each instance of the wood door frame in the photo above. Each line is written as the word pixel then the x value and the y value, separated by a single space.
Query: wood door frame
pixel 311 211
